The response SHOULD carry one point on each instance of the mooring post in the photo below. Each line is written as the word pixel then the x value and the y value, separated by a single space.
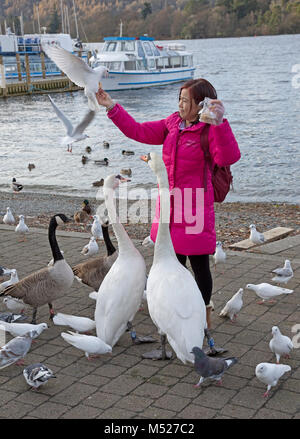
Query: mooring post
pixel 43 65
pixel 28 73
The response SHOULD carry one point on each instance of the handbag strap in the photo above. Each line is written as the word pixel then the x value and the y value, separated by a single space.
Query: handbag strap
pixel 205 148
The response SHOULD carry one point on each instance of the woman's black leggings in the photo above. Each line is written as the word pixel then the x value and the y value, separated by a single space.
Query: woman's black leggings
pixel 200 267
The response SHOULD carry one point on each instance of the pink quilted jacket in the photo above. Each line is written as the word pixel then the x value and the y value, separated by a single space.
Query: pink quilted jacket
pixel 192 218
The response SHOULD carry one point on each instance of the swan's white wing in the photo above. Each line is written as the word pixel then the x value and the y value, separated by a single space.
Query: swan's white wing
pixel 176 306
pixel 79 129
pixel 67 123
pixel 73 66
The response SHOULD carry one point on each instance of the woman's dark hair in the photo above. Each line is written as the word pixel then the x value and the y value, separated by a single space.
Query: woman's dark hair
pixel 199 89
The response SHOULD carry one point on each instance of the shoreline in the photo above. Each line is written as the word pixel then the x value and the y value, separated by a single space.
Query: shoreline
pixel 232 218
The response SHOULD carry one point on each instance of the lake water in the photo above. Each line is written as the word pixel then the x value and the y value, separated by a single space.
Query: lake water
pixel 253 77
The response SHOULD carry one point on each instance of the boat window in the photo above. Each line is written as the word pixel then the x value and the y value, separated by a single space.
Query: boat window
pixel 185 62
pixel 155 50
pixel 141 52
pixel 111 46
pixel 147 48
pixel 159 63
pixel 127 46
pixel 140 64
pixel 151 63
pixel 168 64
pixel 175 61
pixel 115 65
pixel 130 65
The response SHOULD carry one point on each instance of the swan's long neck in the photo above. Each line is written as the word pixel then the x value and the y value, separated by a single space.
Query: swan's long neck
pixel 52 240
pixel 163 245
pixel 124 242
pixel 109 245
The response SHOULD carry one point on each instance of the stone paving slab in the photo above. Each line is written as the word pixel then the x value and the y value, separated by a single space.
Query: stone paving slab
pixel 123 385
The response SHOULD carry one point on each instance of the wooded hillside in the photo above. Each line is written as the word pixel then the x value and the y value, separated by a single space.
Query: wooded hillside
pixel 162 19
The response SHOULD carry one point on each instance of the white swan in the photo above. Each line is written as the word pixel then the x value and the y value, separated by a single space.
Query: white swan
pixel 175 303
pixel 121 291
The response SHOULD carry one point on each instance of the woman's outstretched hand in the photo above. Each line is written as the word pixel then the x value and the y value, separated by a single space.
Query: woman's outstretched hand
pixel 217 107
pixel 104 99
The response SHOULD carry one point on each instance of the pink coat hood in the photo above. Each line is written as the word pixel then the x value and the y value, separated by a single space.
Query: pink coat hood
pixel 192 217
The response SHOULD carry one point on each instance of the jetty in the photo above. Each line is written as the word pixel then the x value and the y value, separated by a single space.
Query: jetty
pixel 28 84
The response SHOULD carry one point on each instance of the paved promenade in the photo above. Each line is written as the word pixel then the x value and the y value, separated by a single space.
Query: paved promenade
pixel 123 385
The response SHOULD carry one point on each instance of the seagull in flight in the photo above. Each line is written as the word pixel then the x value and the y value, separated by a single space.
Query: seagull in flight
pixel 73 134
pixel 79 72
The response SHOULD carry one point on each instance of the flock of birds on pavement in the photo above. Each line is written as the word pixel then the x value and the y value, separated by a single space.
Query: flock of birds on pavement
pixel 120 282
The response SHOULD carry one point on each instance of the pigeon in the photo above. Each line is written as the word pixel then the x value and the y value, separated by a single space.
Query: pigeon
pixel 14 305
pixel 210 367
pixel 4 271
pixel 19 329
pixel 79 324
pixel 280 344
pixel 255 236
pixel 267 291
pixel 13 279
pixel 96 228
pixel 11 317
pixel 233 306
pixel 91 248
pixel 269 373
pixel 8 217
pixel 15 350
pixel 16 187
pixel 78 72
pixel 220 255
pixel 74 134
pixel 21 227
pixel 92 346
pixel 283 275
pixel 147 242
pixel 37 374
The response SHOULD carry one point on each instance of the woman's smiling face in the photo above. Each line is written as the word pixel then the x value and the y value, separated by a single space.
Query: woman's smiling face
pixel 188 109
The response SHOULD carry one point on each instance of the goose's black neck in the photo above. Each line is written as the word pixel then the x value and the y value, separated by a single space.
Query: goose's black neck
pixel 109 245
pixel 52 240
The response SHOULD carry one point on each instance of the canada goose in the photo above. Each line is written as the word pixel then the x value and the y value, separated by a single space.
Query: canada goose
pixel 126 172
pixel 88 149
pixel 8 217
pixel 16 187
pixel 105 144
pixel 31 166
pixel 21 228
pixel 127 152
pixel 93 271
pixel 103 162
pixel 84 159
pixel 121 291
pixel 49 283
pixel 174 301
pixel 98 183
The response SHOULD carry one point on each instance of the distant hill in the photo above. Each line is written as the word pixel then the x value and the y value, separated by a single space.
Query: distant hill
pixel 162 19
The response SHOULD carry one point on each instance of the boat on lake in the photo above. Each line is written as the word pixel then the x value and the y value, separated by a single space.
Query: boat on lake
pixel 139 62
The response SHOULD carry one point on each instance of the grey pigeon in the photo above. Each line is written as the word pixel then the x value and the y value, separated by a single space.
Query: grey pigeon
pixel 15 350
pixel 210 367
pixel 37 374
pixel 10 317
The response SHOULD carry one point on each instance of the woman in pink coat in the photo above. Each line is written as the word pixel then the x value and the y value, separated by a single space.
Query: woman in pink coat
pixel 192 219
